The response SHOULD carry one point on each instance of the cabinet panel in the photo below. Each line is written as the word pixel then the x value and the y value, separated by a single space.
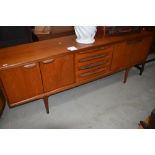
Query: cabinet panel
pixel 57 72
pixel 22 82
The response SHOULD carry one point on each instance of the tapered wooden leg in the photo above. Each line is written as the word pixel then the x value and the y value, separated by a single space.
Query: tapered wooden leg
pixel 126 75
pixel 46 104
pixel 141 70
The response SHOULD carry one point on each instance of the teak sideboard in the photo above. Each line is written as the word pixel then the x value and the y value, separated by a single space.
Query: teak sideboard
pixel 37 70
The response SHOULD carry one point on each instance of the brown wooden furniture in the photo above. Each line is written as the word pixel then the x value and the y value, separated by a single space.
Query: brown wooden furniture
pixel 38 70
pixel 2 103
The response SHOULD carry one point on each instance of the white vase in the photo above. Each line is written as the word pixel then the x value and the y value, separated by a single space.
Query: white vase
pixel 85 34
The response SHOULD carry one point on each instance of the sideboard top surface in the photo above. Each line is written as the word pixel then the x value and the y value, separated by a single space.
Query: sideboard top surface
pixel 41 50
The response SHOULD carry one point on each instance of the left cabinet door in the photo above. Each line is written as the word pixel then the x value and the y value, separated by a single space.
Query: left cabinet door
pixel 21 83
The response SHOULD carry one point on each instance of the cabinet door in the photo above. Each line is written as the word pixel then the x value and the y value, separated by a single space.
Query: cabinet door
pixel 21 83
pixel 57 72
pixel 130 53
pixel 121 56
pixel 141 50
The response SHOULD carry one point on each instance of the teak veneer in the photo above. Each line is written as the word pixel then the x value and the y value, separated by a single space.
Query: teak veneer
pixel 37 70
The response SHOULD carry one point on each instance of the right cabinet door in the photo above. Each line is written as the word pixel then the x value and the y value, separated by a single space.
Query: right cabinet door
pixel 57 72
pixel 141 50
pixel 129 53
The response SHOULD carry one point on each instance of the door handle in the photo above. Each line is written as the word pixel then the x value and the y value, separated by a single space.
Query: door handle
pixel 92 73
pixel 48 61
pixel 134 41
pixel 93 57
pixel 94 50
pixel 93 65
pixel 30 65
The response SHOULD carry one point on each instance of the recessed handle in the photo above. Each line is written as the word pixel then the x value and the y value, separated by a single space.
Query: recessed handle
pixel 92 73
pixel 93 57
pixel 30 65
pixel 130 42
pixel 94 50
pixel 93 65
pixel 48 61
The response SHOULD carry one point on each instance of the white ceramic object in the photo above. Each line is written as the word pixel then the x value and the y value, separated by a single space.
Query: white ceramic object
pixel 85 34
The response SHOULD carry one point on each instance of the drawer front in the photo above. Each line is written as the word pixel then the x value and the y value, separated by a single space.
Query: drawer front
pixel 93 63
pixel 92 66
pixel 94 73
pixel 102 51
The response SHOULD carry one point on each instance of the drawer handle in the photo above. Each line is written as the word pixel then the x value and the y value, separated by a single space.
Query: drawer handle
pixel 130 42
pixel 93 57
pixel 93 65
pixel 92 73
pixel 48 61
pixel 30 65
pixel 93 50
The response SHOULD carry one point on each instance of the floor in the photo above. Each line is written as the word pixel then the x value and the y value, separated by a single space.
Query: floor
pixel 105 103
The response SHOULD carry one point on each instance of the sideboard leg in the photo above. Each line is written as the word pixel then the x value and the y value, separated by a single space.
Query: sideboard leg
pixel 140 67
pixel 126 75
pixel 141 70
pixel 46 104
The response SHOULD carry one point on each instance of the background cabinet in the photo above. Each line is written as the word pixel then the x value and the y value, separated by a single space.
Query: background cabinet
pixel 57 72
pixel 21 83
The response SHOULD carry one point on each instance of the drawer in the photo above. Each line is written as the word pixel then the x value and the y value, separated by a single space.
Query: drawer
pixel 93 53
pixel 94 61
pixel 93 73
pixel 92 66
